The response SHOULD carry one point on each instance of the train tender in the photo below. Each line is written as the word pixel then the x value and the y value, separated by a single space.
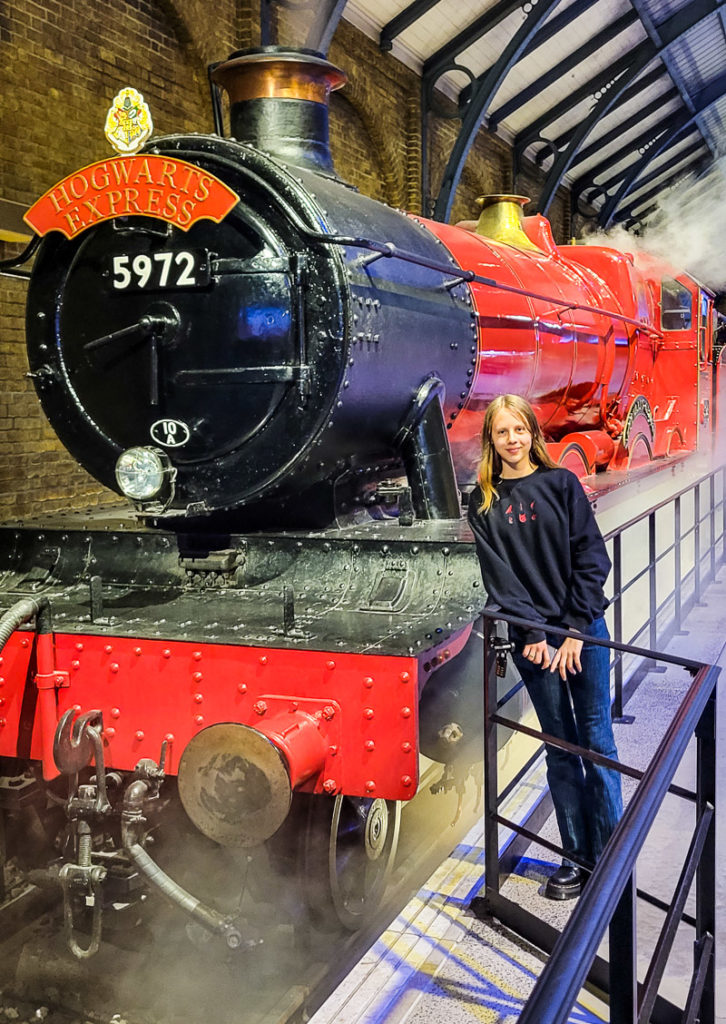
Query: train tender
pixel 286 380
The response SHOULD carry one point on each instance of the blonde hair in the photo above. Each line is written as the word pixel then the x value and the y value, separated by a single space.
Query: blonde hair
pixel 491 463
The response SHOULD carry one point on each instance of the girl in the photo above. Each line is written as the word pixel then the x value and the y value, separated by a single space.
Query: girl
pixel 543 558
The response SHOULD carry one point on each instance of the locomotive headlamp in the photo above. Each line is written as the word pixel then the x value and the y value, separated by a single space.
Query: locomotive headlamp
pixel 145 474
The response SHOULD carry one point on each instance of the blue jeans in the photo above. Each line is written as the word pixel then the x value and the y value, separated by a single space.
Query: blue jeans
pixel 587 798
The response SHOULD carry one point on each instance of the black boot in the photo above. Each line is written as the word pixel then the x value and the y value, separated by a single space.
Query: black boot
pixel 566 883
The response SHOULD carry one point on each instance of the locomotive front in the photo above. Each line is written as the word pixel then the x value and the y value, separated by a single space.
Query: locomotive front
pixel 217 331
pixel 204 366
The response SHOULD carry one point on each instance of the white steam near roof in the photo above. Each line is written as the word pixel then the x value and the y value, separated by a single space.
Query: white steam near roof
pixel 688 229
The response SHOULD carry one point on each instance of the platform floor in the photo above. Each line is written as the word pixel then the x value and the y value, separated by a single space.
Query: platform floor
pixel 437 962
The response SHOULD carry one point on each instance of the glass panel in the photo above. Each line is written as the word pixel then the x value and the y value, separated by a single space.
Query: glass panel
pixel 675 306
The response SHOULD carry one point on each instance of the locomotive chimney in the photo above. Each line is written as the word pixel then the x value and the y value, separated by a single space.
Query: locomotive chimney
pixel 279 102
pixel 501 220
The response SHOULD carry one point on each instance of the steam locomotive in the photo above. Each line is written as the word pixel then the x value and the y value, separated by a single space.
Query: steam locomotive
pixel 286 381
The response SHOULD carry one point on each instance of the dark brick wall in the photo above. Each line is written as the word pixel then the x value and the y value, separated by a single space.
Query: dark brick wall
pixel 61 64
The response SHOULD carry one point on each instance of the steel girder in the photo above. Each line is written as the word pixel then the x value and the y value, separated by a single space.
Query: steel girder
pixel 628 217
pixel 640 144
pixel 622 74
pixel 671 66
pixel 607 85
pixel 704 99
pixel 483 90
pixel 404 20
pixel 577 57
pixel 623 127
pixel 694 148
pixel 644 82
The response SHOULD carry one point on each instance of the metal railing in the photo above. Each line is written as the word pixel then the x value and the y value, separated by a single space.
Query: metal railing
pixel 699 534
pixel 608 900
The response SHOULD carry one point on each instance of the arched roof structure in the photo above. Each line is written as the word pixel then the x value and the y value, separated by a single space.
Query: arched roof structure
pixel 617 99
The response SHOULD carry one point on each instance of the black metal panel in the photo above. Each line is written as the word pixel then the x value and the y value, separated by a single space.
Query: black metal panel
pixel 294 362
pixel 103 395
pixel 380 588
pixel 405 326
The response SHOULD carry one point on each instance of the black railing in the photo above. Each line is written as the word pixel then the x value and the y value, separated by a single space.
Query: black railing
pixel 701 535
pixel 608 900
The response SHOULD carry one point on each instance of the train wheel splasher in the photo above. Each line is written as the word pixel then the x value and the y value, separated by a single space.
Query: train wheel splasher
pixel 286 381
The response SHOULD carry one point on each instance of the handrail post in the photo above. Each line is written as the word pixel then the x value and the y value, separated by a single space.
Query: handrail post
pixel 697 544
pixel 677 577
pixel 652 584
pixel 624 958
pixel 491 780
pixel 712 524
pixel 723 514
pixel 706 871
pixel 617 709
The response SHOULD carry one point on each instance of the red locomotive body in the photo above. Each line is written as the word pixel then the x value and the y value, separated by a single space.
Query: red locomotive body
pixel 613 351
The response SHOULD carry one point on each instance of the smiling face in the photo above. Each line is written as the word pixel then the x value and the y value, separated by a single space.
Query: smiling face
pixel 512 441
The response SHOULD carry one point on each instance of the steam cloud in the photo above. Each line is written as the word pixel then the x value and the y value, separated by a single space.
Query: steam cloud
pixel 687 230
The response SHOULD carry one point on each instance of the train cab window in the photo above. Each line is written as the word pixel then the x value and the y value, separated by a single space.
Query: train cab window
pixel 675 306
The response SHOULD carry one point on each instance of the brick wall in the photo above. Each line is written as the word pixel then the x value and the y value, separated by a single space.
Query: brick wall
pixel 61 64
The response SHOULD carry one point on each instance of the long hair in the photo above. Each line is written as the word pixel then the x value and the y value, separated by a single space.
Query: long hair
pixel 490 466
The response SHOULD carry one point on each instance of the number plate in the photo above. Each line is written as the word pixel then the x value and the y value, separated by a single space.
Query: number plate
pixel 161 271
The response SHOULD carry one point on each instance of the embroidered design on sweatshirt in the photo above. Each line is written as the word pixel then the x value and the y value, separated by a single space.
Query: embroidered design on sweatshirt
pixel 523 515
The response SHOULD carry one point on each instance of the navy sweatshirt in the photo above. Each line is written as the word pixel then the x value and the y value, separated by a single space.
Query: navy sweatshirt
pixel 541 552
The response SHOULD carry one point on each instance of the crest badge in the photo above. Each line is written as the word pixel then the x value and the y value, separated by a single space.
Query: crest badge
pixel 128 122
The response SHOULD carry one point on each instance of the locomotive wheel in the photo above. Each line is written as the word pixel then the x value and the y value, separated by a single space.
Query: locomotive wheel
pixel 349 851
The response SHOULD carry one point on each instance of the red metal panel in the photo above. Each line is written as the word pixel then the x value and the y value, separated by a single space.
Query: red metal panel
pixel 564 360
pixel 151 690
pixel 19 724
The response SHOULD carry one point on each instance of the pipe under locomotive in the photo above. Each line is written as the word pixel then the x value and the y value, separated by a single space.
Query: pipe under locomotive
pixel 289 393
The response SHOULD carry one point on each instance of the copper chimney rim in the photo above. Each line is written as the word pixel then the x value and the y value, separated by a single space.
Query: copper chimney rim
pixel 279 102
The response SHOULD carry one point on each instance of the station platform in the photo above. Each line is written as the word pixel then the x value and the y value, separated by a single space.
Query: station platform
pixel 437 962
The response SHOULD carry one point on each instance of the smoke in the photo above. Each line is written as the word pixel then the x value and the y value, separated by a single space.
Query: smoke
pixel 687 230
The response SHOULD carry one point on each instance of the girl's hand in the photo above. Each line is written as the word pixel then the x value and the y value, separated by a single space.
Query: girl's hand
pixel 538 654
pixel 567 657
